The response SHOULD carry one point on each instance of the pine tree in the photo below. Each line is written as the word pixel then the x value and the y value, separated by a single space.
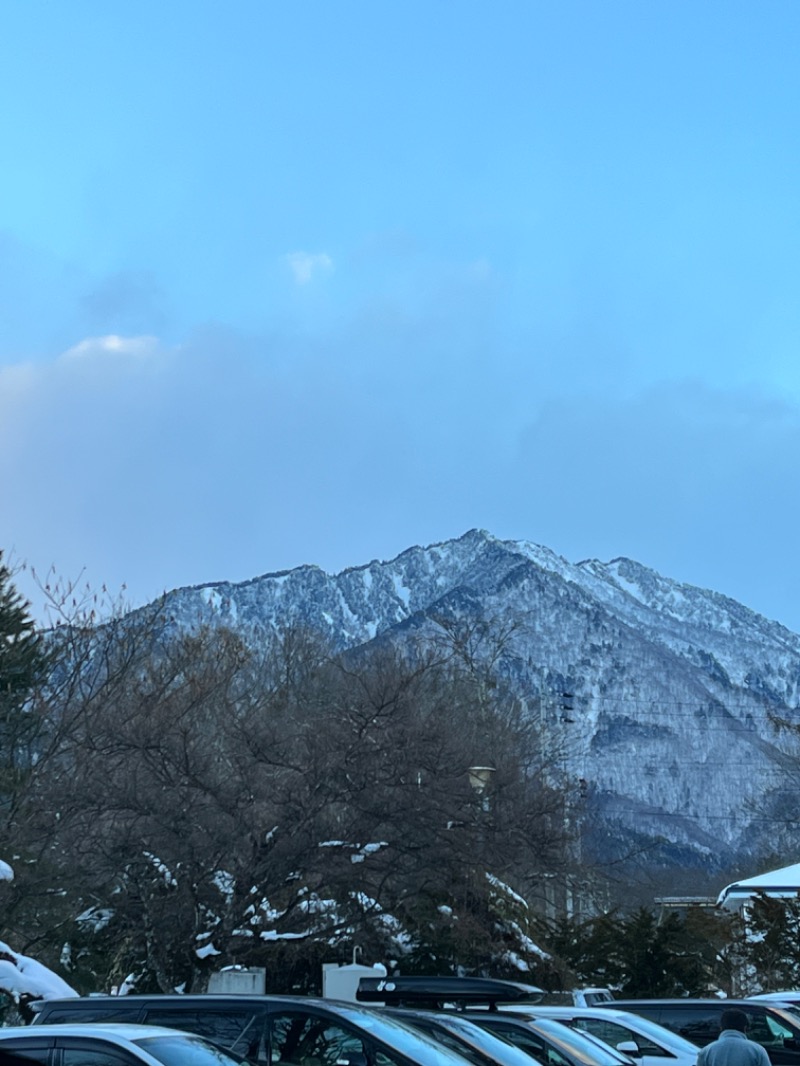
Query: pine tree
pixel 22 665
pixel 772 927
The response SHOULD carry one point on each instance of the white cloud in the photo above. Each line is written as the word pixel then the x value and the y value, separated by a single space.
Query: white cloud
pixel 16 381
pixel 113 345
pixel 37 397
pixel 142 463
pixel 305 264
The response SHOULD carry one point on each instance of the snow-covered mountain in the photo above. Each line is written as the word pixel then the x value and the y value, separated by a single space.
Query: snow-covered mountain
pixel 659 692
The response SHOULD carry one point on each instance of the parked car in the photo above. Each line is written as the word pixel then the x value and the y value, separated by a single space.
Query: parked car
pixel 479 1045
pixel 590 997
pixel 780 999
pixel 578 997
pixel 550 1042
pixel 776 1029
pixel 645 1041
pixel 108 1045
pixel 291 1030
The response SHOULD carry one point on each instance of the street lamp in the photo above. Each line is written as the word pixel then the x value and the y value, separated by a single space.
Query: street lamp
pixel 479 778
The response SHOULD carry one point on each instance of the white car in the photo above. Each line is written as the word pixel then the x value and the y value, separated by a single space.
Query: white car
pixel 645 1041
pixel 108 1045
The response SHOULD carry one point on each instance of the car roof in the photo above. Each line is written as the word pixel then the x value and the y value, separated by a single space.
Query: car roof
pixel 784 1011
pixel 121 1031
pixel 682 1001
pixel 600 1011
pixel 176 997
pixel 567 1011
pixel 88 1003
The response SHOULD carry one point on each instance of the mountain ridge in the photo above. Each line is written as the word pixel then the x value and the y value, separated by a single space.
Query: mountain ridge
pixel 672 688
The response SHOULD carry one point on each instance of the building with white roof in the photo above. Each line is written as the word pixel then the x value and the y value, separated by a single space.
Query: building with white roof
pixel 779 884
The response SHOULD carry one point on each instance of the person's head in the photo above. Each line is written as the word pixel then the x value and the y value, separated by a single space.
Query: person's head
pixel 733 1019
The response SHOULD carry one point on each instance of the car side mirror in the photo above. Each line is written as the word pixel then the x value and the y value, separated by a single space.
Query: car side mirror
pixel 352 1058
pixel 629 1047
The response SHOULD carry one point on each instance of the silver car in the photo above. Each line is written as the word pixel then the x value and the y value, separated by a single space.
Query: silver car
pixel 647 1042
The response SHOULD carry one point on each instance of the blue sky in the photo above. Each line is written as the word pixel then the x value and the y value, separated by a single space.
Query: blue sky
pixel 314 282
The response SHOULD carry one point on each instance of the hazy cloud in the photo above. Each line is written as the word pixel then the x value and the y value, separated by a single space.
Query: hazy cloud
pixel 127 301
pixel 222 458
pixel 692 480
pixel 304 265
pixel 113 346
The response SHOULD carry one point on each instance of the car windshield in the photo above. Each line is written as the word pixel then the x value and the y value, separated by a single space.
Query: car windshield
pixel 401 1037
pixel 179 1050
pixel 782 1019
pixel 580 1047
pixel 489 1043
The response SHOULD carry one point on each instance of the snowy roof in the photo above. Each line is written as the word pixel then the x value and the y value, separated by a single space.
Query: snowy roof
pixel 780 883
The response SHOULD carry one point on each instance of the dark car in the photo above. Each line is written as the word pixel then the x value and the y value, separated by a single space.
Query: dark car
pixel 285 1030
pixel 775 1028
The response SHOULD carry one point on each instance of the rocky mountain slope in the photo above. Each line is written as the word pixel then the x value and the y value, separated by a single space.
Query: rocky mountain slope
pixel 660 694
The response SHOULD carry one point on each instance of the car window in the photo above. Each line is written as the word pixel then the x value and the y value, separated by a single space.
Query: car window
pixel 526 1040
pixel 584 1048
pixel 766 1030
pixel 383 1058
pixel 777 1028
pixel 659 1036
pixel 242 1031
pixel 613 1033
pixel 700 1025
pixel 308 1040
pixel 110 1013
pixel 495 1045
pixel 105 1056
pixel 389 1033
pixel 181 1050
pixel 455 1043
pixel 23 1056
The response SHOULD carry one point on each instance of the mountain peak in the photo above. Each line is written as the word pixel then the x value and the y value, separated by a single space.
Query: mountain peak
pixel 672 686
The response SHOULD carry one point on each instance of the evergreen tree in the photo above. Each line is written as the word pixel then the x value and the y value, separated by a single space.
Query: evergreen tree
pixel 589 947
pixel 659 958
pixel 22 665
pixel 772 929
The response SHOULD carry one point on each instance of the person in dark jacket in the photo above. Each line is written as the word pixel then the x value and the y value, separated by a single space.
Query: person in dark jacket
pixel 732 1048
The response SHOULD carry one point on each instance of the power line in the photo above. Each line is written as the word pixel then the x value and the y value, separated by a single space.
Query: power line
pixel 710 703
